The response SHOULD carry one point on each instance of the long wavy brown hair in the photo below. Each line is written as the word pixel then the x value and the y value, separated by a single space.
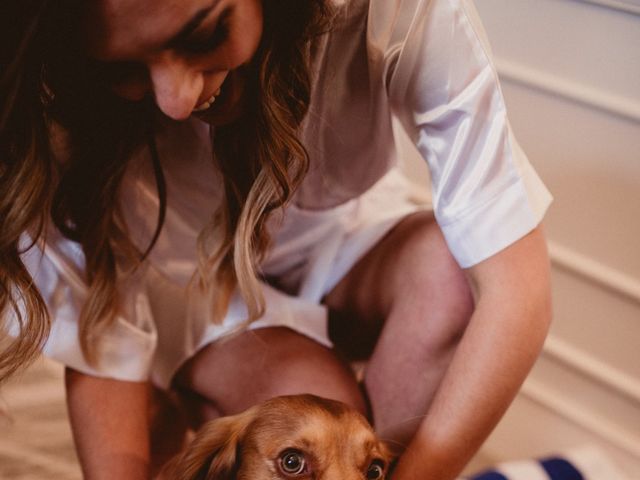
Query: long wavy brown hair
pixel 48 84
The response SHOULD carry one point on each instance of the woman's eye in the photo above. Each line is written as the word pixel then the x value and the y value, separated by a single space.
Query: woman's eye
pixel 292 462
pixel 205 43
pixel 375 470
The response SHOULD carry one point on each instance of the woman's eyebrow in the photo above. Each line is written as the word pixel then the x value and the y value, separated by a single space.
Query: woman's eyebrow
pixel 191 25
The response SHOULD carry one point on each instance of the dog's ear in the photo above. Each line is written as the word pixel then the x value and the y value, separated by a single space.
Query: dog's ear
pixel 212 453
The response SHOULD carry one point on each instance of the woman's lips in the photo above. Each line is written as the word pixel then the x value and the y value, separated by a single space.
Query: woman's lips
pixel 228 105
pixel 207 103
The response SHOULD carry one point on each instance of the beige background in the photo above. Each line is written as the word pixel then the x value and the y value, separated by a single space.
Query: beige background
pixel 571 76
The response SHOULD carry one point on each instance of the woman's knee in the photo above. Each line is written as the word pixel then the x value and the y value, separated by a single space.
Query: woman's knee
pixel 259 364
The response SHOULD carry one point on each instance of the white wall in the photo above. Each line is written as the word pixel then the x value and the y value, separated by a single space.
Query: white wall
pixel 570 72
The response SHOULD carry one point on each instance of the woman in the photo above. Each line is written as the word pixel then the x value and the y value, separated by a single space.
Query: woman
pixel 211 280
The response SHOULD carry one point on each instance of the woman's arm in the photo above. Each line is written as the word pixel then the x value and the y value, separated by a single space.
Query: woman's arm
pixel 109 419
pixel 499 347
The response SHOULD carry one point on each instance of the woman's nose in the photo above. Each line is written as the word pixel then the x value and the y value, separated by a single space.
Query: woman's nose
pixel 176 85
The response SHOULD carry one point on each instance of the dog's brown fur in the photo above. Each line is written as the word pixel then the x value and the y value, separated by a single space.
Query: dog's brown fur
pixel 335 440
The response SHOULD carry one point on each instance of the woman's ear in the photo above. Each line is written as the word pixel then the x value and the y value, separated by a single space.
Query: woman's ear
pixel 212 453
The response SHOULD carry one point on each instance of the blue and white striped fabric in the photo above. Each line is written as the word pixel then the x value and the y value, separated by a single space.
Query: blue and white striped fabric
pixel 547 469
pixel 582 463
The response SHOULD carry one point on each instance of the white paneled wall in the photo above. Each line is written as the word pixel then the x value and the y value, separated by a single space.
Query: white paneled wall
pixel 570 72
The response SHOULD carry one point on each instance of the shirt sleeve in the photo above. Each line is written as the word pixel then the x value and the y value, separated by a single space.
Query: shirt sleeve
pixel 444 89
pixel 126 348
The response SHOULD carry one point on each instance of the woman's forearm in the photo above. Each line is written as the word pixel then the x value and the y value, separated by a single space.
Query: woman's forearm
pixel 109 419
pixel 497 351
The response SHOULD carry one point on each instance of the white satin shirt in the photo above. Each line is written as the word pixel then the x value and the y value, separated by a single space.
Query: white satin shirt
pixel 424 62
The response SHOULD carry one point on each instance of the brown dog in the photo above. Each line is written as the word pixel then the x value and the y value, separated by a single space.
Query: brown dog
pixel 291 437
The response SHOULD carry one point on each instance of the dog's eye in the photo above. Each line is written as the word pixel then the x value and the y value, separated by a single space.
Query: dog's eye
pixel 292 462
pixel 375 470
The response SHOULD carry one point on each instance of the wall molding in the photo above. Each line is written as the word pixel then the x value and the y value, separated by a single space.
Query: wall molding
pixel 589 366
pixel 618 5
pixel 573 411
pixel 610 103
pixel 595 272
pixel 604 376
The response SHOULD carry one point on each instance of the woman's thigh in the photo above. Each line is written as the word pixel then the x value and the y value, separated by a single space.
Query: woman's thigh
pixel 233 374
pixel 410 271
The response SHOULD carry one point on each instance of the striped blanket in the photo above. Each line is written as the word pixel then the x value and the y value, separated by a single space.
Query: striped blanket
pixel 547 469
pixel 586 463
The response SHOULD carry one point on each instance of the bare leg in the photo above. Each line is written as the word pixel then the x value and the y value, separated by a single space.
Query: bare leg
pixel 408 303
pixel 231 375
pixel 234 374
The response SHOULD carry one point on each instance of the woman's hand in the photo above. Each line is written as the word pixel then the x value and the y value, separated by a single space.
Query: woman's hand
pixel 109 419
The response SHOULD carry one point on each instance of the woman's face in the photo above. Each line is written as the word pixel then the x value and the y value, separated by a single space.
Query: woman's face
pixel 189 54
